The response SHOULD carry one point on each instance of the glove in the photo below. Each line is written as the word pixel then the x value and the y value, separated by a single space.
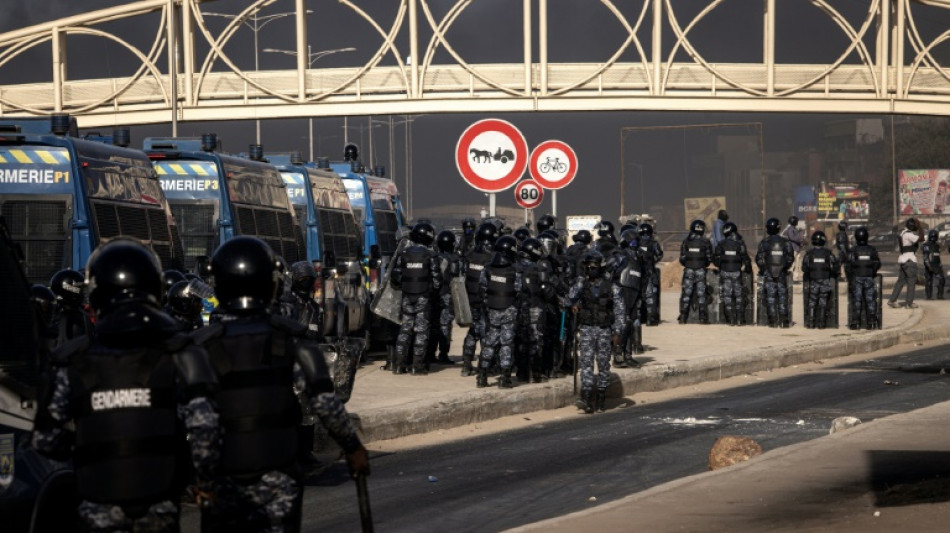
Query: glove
pixel 615 339
pixel 358 461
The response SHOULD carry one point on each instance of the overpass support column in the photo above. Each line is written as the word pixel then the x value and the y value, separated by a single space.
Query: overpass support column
pixel 882 47
pixel 543 45
pixel 527 47
pixel 769 47
pixel 898 59
pixel 414 48
pixel 657 45
pixel 188 50
pixel 303 52
pixel 59 67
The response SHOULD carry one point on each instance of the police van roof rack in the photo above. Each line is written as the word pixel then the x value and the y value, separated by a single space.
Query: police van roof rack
pixel 9 128
pixel 206 143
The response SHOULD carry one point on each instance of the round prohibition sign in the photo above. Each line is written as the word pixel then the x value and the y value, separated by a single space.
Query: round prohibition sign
pixel 553 164
pixel 491 155
pixel 529 194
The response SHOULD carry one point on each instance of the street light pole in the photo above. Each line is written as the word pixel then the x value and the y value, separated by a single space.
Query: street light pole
pixel 312 57
pixel 258 25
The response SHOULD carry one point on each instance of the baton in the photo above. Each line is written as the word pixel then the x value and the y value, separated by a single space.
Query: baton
pixel 362 495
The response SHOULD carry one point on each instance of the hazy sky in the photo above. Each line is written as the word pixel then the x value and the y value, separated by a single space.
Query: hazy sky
pixel 580 31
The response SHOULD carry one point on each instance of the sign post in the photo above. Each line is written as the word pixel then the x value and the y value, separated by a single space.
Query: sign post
pixel 491 155
pixel 553 164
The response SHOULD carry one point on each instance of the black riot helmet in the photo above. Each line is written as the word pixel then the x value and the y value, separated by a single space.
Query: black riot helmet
pixel 628 237
pixel 123 271
pixel 546 222
pixel 522 234
pixel 69 286
pixel 861 235
pixel 351 152
pixel 818 239
pixel 605 228
pixel 507 246
pixel 842 225
pixel 911 224
pixel 697 227
pixel 626 226
pixel 583 236
pixel 468 227
pixel 773 226
pixel 729 228
pixel 44 301
pixel 423 233
pixel 182 300
pixel 445 241
pixel 302 277
pixel 245 274
pixel 487 233
pixel 549 241
pixel 793 220
pixel 171 277
pixel 203 267
pixel 594 263
pixel 645 229
pixel 932 235
pixel 532 248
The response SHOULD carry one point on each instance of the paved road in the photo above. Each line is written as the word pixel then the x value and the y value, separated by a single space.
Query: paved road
pixel 501 481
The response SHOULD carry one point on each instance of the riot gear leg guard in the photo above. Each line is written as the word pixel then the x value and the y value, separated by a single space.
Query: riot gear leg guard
pixel 504 381
pixel 584 403
pixel 600 400
pixel 481 381
pixel 638 340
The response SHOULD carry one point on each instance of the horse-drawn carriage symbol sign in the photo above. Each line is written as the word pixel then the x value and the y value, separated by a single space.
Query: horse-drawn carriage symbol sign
pixel 491 155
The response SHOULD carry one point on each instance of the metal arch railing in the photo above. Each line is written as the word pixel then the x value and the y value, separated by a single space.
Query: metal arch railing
pixel 652 80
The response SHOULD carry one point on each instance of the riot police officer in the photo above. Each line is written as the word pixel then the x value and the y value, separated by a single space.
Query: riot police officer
pixel 473 265
pixel 499 283
pixel 599 306
pixel 467 242
pixel 650 254
pixel 450 266
pixel 575 254
pixel 203 268
pixel 695 256
pixel 933 269
pixel 538 290
pixel 819 269
pixel 121 402
pixel 73 321
pixel 46 309
pixel 184 305
pixel 626 271
pixel 732 258
pixel 545 223
pixel 521 234
pixel 416 272
pixel 606 241
pixel 774 258
pixel 261 358
pixel 303 277
pixel 170 278
pixel 864 263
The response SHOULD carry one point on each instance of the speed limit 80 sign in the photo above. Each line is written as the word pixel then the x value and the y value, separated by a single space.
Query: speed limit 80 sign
pixel 529 194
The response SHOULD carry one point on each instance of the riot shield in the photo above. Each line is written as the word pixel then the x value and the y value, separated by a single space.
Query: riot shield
pixel 460 305
pixel 656 283
pixel 850 301
pixel 879 287
pixel 788 297
pixel 387 303
pixel 761 315
pixel 831 315
pixel 712 297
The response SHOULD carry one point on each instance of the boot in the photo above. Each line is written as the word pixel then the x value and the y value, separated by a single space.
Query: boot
pixel 929 289
pixel 630 362
pixel 599 400
pixel 638 340
pixel 504 382
pixel 703 315
pixel 481 379
pixel 809 319
pixel 727 316
pixel 584 402
pixel 819 319
pixel 467 368
pixel 684 315
pixel 619 361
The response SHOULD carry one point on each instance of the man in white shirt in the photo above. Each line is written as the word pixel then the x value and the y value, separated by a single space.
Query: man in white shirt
pixel 909 240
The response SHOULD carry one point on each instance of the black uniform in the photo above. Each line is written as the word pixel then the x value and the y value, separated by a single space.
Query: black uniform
pixel 626 271
pixel 774 258
pixel 820 268
pixel 864 263
pixel 732 258
pixel 650 254
pixel 473 265
pixel 450 267
pixel 416 271
pixel 933 269
pixel 695 255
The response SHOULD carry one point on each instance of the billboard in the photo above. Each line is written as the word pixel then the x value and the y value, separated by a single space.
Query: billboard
pixel 924 192
pixel 833 201
pixel 705 209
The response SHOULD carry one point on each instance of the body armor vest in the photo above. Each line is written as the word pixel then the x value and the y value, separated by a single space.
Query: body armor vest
pixel 127 436
pixel 695 253
pixel 596 304
pixel 905 248
pixel 630 275
pixel 862 261
pixel 932 254
pixel 819 264
pixel 842 243
pixel 775 255
pixel 449 265
pixel 416 278
pixel 476 264
pixel 731 258
pixel 259 412
pixel 501 287
pixel 648 251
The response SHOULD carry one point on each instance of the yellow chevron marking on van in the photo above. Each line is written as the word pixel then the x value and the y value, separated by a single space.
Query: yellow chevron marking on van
pixel 178 169
pixel 21 156
pixel 199 170
pixel 47 157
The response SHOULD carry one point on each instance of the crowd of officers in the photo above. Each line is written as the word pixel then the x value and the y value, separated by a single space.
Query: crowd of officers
pixel 531 302
pixel 153 406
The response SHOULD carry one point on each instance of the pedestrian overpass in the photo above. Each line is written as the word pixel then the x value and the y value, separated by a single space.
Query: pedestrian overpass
pixel 886 66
